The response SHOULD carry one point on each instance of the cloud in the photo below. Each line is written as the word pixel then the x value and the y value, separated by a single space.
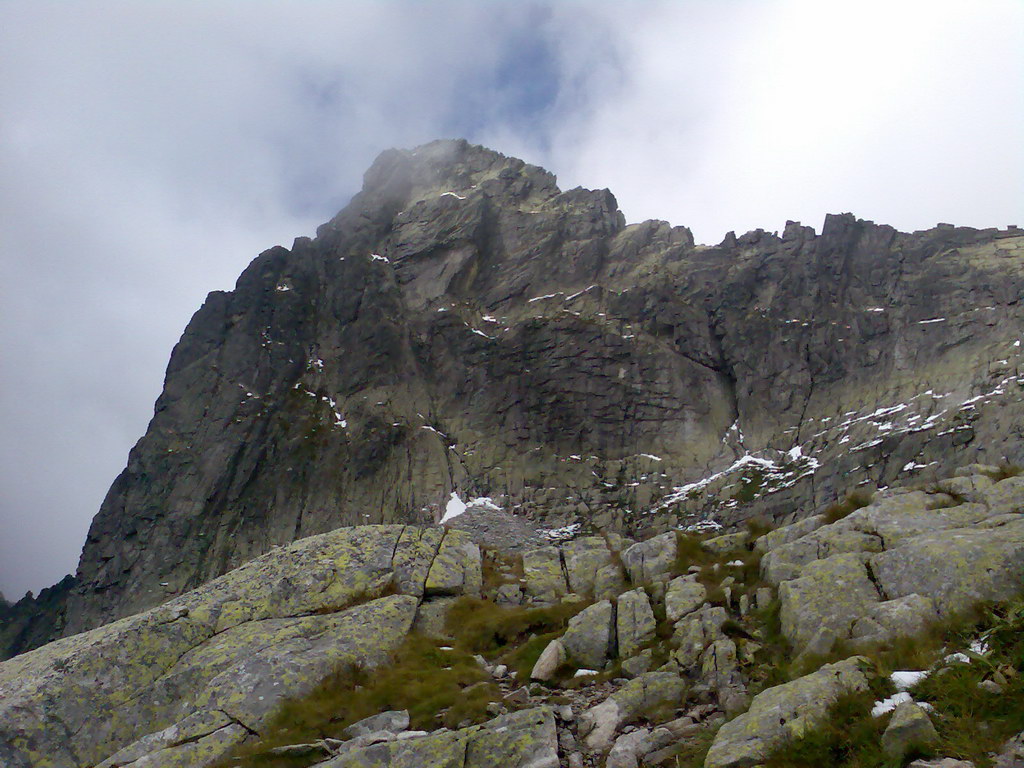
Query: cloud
pixel 149 151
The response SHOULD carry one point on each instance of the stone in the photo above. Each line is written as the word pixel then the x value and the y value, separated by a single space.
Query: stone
pixel 949 762
pixel 650 560
pixel 720 545
pixel 684 596
pixel 394 721
pixel 545 579
pixel 625 752
pixel 609 582
pixel 783 712
pixel 955 568
pixel 637 665
pixel 634 622
pixel 244 643
pixel 812 602
pixel 788 533
pixel 550 660
pixel 584 557
pixel 509 594
pixel 650 691
pixel 523 739
pixel 431 616
pixel 695 632
pixel 588 639
pixel 909 729
pixel 719 659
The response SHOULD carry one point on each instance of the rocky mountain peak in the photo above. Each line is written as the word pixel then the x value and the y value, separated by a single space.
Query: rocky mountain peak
pixel 464 327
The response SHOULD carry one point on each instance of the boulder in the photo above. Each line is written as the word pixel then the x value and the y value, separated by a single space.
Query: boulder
pixel 955 568
pixel 393 721
pixel 719 545
pixel 634 622
pixel 784 712
pixel 163 681
pixel 831 594
pixel 652 690
pixel 551 658
pixel 545 578
pixel 909 729
pixel 589 637
pixel 684 595
pixel 788 533
pixel 609 582
pixel 584 557
pixel 695 632
pixel 524 739
pixel 651 560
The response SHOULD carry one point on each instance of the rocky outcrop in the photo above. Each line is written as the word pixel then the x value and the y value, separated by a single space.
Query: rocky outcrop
pixel 905 560
pixel 525 739
pixel 185 682
pixel 783 712
pixel 463 326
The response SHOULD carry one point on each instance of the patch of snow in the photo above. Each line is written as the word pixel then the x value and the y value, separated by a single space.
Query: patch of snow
pixel 979 647
pixel 703 525
pixel 453 508
pixel 580 293
pixel 651 456
pixel 585 673
pixel 889 704
pixel 560 534
pixel 548 296
pixel 317 364
pixel 483 502
pixel 906 680
pixel 452 194
pixel 735 563
pixel 875 309
pixel 957 658
pixel 282 287
pixel 795 453
pixel 378 257
pixel 933 320
pixel 490 319
pixel 481 333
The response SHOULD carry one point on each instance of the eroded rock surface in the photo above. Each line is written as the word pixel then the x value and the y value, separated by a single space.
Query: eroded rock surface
pixel 463 326
pixel 185 682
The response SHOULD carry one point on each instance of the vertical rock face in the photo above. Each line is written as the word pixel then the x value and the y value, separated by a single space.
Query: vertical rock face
pixel 464 326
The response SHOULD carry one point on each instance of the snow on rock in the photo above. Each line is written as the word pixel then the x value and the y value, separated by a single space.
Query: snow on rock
pixel 889 704
pixel 905 680
pixel 453 508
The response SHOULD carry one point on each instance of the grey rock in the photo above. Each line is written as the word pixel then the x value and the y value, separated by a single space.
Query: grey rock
pixel 778 713
pixel 652 559
pixel 695 632
pixel 684 596
pixel 551 658
pixel 588 639
pixel 908 729
pixel 583 559
pixel 655 689
pixel 634 622
pixel 545 577
pixel 637 665
pixel 394 721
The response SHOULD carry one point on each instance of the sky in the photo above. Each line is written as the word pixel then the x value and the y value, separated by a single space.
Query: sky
pixel 149 151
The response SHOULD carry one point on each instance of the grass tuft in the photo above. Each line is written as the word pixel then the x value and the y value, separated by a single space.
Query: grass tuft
pixel 854 500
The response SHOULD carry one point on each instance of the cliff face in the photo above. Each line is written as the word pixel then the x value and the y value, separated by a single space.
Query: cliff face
pixel 465 327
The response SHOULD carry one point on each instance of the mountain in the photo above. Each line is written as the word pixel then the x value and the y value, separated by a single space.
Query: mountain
pixel 463 326
pixel 709 499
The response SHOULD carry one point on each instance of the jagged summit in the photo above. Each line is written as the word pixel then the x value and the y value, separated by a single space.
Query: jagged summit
pixel 464 327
